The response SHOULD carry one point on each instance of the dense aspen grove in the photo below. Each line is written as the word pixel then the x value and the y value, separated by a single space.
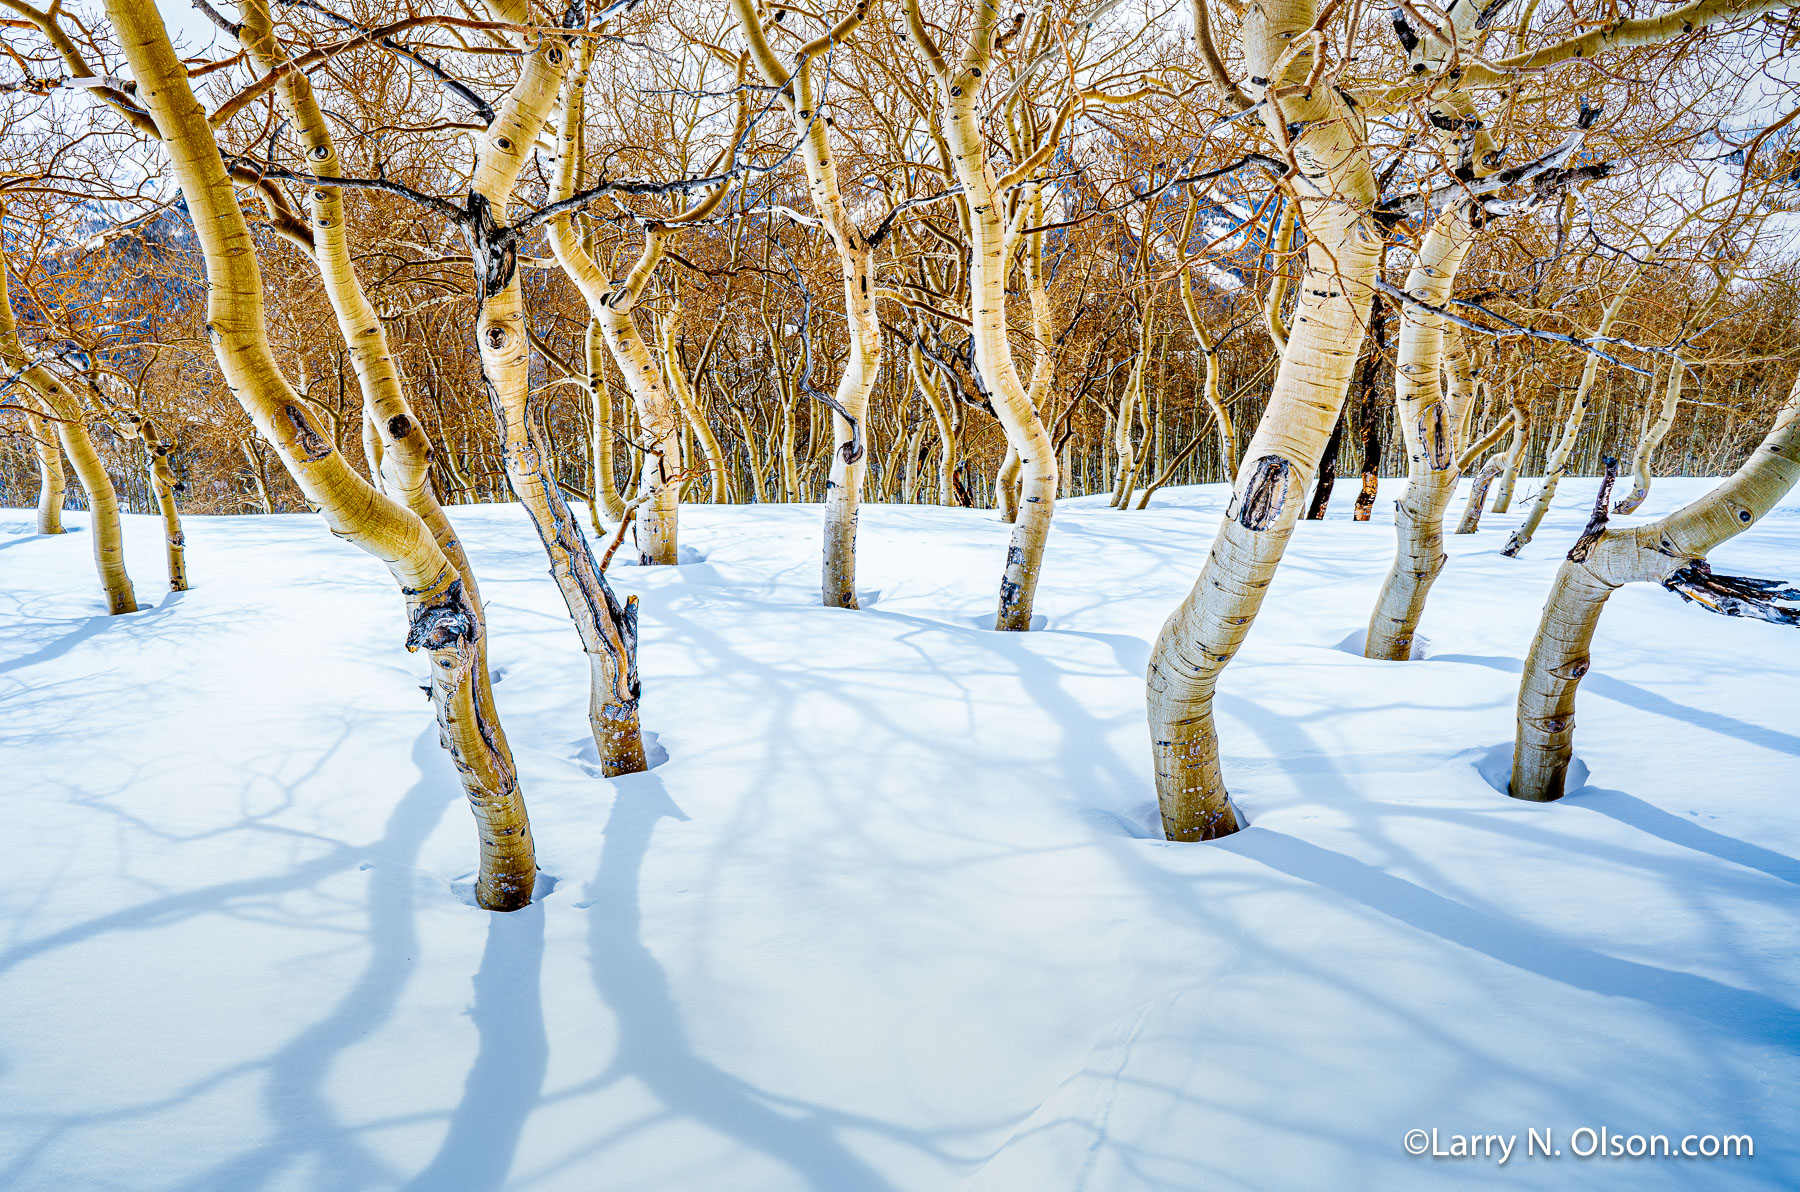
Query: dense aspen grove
pixel 380 261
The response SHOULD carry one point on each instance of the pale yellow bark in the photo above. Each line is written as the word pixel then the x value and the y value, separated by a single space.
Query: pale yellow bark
pixel 659 494
pixel 606 485
pixel 1227 429
pixel 63 409
pixel 856 261
pixel 395 445
pixel 1650 440
pixel 52 485
pixel 372 452
pixel 164 482
pixel 607 629
pixel 1515 450
pixel 1557 462
pixel 442 621
pixel 718 482
pixel 947 417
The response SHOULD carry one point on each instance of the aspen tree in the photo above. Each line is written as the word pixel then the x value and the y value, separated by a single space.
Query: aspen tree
pixel 1671 401
pixel 1515 449
pixel 1428 420
pixel 1320 131
pixel 983 195
pixel 60 407
pixel 1478 490
pixel 659 420
pixel 1209 348
pixel 605 486
pixel 795 89
pixel 1332 195
pixel 51 482
pixel 1556 464
pixel 607 629
pixel 394 441
pixel 947 416
pixel 1670 551
pixel 164 483
pixel 718 479
pixel 442 621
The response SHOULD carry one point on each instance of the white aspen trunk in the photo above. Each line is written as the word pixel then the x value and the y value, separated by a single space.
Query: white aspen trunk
pixel 1332 193
pixel 856 261
pixel 1650 441
pixel 718 483
pixel 1670 551
pixel 1429 418
pixel 982 196
pixel 258 471
pixel 1515 451
pixel 1478 489
pixel 660 489
pixel 52 484
pixel 949 424
pixel 163 484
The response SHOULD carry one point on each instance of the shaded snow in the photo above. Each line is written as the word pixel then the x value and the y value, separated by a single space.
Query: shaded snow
pixel 894 912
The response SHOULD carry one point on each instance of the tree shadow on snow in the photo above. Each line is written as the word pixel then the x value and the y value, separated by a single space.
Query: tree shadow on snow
pixel 653 1046
pixel 1645 700
pixel 1684 833
pixel 507 1077
pixel 1751 1016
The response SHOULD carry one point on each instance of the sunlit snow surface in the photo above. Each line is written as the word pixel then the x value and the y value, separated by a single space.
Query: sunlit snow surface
pixel 894 913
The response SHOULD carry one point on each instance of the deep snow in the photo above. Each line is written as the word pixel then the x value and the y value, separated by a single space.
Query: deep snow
pixel 894 913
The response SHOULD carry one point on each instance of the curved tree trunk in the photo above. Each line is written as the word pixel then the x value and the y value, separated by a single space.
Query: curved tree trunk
pixel 1515 452
pixel 983 194
pixel 1209 347
pixel 63 408
pixel 52 484
pixel 718 481
pixel 605 485
pixel 659 491
pixel 165 483
pixel 607 629
pixel 442 621
pixel 1429 419
pixel 1670 551
pixel 949 423
pixel 856 261
pixel 1343 248
pixel 659 465
pixel 1006 486
pixel 1651 440
pixel 1478 490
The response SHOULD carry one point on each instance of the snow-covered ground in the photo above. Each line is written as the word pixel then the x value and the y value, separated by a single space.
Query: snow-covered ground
pixel 894 912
